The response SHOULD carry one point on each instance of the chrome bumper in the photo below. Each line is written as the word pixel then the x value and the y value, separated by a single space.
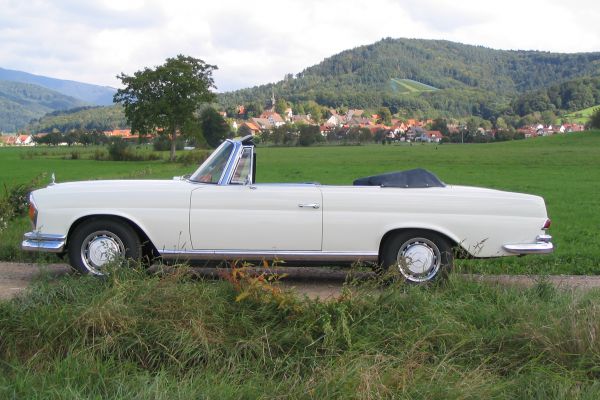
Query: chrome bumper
pixel 35 241
pixel 543 245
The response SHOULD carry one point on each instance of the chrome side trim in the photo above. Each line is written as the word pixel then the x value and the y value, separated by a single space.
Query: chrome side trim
pixel 47 242
pixel 539 247
pixel 269 255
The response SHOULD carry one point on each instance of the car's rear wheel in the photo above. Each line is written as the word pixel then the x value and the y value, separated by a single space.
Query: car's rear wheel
pixel 419 256
pixel 95 243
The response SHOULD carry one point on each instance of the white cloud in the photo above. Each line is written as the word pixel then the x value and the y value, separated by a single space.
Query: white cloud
pixel 258 42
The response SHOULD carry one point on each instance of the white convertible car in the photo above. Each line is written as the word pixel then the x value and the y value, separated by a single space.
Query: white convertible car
pixel 409 220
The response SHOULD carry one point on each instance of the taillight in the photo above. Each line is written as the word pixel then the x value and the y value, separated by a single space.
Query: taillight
pixel 32 212
pixel 547 224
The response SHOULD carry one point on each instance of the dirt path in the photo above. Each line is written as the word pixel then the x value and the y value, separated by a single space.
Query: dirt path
pixel 323 283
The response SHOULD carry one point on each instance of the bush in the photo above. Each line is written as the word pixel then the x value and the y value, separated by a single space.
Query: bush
pixel 163 143
pixel 192 157
pixel 119 150
pixel 15 202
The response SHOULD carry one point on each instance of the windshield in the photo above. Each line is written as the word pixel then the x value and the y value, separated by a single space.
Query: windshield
pixel 212 169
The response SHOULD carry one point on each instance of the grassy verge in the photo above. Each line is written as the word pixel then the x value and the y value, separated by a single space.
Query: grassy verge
pixel 139 336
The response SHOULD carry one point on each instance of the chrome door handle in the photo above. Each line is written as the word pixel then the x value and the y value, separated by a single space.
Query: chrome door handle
pixel 309 205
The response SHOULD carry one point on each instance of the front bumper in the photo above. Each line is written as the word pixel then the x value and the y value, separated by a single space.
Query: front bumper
pixel 35 241
pixel 543 245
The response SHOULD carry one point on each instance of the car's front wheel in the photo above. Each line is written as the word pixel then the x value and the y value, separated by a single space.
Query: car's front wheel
pixel 95 243
pixel 419 256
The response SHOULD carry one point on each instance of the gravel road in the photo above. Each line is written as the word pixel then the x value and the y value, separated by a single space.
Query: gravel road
pixel 324 283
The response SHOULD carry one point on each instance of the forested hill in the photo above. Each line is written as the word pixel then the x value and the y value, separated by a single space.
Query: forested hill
pixel 86 92
pixel 82 118
pixel 469 77
pixel 21 102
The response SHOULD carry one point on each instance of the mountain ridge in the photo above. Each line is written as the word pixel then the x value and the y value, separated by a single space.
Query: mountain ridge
pixel 468 77
pixel 86 92
pixel 22 102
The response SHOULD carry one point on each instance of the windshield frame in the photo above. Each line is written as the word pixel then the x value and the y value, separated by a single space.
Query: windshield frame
pixel 226 170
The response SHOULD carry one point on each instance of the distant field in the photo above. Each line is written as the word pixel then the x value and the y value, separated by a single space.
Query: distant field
pixel 564 169
pixel 409 86
pixel 581 116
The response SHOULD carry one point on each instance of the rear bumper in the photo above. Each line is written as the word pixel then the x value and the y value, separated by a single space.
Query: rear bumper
pixel 542 245
pixel 35 241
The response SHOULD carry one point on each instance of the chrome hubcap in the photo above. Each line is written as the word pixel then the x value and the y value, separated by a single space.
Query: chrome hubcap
pixel 100 248
pixel 419 260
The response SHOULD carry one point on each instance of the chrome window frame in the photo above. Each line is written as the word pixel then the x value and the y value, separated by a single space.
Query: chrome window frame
pixel 236 163
pixel 232 161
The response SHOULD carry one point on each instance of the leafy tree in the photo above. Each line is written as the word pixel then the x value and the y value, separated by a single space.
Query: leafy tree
pixel 214 127
pixel 501 124
pixel 594 121
pixel 548 117
pixel 167 97
pixel 254 109
pixel 298 109
pixel 280 106
pixel 440 124
pixel 72 138
pixel 53 138
pixel 309 134
pixel 314 109
pixel 385 116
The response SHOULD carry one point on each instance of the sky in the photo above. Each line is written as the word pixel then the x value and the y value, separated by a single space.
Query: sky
pixel 258 42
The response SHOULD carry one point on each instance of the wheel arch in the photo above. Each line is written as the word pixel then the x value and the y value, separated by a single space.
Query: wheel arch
pixel 391 233
pixel 148 247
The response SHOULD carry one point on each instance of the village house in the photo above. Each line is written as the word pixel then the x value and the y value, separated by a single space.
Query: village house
pixel 8 140
pixel 122 133
pixel 25 140
pixel 431 136
pixel 254 129
pixel 274 118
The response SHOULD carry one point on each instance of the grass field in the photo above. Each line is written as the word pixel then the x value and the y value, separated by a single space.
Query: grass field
pixel 581 116
pixel 564 169
pixel 409 86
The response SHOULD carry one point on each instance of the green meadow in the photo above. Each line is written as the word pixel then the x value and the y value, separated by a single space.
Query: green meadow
pixel 580 116
pixel 564 169
pixel 135 335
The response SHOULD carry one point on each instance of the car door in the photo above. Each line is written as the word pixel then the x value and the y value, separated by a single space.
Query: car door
pixel 256 217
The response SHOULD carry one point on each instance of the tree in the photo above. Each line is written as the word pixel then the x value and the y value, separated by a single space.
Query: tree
pixel 385 116
pixel 214 127
pixel 309 134
pixel 594 121
pixel 280 106
pixel 254 109
pixel 166 98
pixel 315 110
pixel 440 124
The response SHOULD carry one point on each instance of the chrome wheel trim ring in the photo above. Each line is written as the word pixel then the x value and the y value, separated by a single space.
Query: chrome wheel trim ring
pixel 419 260
pixel 99 248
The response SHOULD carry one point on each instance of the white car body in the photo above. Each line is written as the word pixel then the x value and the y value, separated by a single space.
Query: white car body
pixel 186 219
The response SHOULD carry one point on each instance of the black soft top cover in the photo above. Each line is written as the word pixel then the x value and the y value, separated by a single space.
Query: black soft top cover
pixel 412 178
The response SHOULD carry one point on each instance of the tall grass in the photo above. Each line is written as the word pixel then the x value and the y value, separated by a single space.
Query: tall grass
pixel 134 335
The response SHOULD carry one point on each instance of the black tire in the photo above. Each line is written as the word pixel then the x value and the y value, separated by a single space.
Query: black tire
pixel 420 256
pixel 96 242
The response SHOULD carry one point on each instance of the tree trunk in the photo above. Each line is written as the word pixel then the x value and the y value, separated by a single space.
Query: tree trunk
pixel 173 144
